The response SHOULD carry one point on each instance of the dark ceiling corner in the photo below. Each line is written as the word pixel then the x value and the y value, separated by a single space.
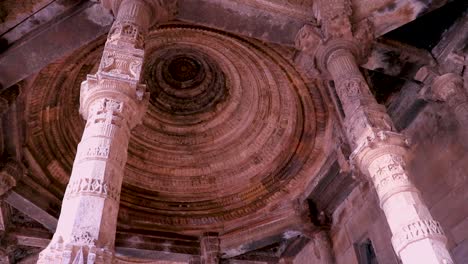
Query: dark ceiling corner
pixel 426 31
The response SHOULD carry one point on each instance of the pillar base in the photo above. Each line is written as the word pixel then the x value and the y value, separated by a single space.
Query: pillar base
pixel 60 253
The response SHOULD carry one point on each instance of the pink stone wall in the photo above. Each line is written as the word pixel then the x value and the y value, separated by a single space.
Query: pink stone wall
pixel 356 219
pixel 439 169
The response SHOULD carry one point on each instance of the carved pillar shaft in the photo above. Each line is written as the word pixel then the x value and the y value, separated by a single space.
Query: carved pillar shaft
pixel 113 102
pixel 380 154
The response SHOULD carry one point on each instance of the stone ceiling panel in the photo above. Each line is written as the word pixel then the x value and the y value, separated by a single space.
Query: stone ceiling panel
pixel 231 127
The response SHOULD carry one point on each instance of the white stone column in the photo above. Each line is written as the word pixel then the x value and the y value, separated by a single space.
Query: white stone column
pixel 380 153
pixel 113 102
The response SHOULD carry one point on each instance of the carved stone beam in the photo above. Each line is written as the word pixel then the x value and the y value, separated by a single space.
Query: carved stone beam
pixel 378 150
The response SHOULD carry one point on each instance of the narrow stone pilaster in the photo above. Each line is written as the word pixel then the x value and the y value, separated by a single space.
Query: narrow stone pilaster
pixel 324 246
pixel 449 88
pixel 209 248
pixel 113 102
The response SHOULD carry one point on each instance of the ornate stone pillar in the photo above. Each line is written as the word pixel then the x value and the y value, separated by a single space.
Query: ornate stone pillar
pixel 209 248
pixel 380 153
pixel 113 102
pixel 378 150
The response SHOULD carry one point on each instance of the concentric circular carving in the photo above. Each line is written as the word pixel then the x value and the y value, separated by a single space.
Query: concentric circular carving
pixel 184 81
pixel 230 126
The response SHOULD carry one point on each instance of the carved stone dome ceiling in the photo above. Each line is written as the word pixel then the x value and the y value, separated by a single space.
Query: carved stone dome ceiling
pixel 231 126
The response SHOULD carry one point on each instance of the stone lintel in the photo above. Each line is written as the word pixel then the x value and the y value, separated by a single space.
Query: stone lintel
pixel 30 209
pixel 55 40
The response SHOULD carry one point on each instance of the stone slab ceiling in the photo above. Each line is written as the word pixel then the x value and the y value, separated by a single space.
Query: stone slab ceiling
pixel 232 129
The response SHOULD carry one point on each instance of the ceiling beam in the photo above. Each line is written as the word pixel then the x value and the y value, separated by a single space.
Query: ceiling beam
pixel 30 209
pixel 52 41
pixel 87 21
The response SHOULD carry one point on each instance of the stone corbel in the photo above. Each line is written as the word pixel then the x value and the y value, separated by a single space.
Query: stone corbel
pixel 315 46
pixel 160 10
pixel 334 30
pixel 10 172
pixel 448 88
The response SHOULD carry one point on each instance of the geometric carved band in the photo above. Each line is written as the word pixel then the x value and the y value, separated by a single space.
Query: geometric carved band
pixel 415 231
pixel 93 187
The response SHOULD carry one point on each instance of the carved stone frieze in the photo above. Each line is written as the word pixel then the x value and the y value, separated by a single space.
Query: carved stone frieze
pixel 448 87
pixel 418 230
pixel 93 187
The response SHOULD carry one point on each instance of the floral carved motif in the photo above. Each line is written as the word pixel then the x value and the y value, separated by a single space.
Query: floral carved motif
pixel 84 238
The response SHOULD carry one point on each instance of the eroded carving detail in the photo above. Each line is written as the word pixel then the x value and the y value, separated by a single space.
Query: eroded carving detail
pixel 417 230
pixel 83 238
pixel 92 187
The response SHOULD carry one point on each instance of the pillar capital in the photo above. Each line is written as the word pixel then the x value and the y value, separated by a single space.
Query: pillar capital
pixel 446 86
pixel 418 230
pixel 312 40
pixel 334 33
pixel 379 144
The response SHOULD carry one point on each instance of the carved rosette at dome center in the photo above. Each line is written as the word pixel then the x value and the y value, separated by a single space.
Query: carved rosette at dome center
pixel 225 132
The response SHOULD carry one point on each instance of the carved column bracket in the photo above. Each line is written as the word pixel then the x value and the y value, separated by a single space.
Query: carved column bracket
pixel 448 88
pixel 10 172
